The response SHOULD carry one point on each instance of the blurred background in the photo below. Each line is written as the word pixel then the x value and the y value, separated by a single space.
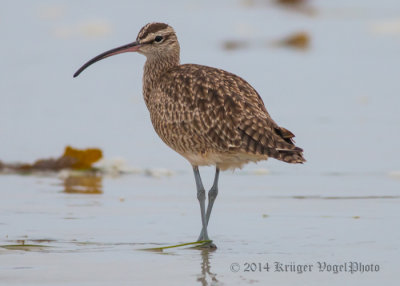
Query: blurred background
pixel 336 88
pixel 326 70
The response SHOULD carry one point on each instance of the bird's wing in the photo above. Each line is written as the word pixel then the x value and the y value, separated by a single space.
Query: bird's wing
pixel 227 111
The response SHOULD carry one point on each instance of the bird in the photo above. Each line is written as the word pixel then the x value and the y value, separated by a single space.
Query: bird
pixel 209 116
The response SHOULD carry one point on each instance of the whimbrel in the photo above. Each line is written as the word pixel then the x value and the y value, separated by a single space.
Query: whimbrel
pixel 207 115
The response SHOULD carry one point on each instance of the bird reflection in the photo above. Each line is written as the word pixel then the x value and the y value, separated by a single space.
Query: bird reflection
pixel 206 277
pixel 83 184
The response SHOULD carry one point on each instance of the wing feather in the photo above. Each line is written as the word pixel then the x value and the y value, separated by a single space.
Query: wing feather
pixel 222 112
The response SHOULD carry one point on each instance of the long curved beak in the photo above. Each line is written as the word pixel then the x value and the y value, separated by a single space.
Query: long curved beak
pixel 132 47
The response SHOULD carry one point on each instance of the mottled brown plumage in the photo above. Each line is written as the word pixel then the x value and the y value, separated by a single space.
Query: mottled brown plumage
pixel 208 115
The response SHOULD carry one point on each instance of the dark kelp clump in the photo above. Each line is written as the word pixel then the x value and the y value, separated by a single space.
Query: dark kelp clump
pixel 299 40
pixel 72 158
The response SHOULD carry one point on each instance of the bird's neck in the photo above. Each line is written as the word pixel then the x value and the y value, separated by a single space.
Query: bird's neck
pixel 154 68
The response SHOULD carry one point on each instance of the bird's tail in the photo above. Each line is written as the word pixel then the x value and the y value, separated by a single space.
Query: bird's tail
pixel 287 151
pixel 294 156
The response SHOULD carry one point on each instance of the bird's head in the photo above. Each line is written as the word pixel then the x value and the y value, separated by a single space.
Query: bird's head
pixel 157 39
pixel 154 40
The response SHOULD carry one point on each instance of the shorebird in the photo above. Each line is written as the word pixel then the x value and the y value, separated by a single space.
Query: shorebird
pixel 207 115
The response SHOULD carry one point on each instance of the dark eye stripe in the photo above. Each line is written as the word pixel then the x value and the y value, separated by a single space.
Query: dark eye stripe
pixel 165 37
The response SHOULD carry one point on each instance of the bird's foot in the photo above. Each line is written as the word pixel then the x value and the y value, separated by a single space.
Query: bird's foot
pixel 207 244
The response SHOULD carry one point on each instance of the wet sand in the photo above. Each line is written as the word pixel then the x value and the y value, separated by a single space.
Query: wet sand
pixel 338 94
pixel 99 239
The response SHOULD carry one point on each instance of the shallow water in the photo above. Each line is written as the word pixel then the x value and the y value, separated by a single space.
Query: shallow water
pixel 99 239
pixel 339 96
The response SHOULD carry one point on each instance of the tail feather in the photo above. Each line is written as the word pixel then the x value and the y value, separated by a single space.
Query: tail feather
pixel 294 156
pixel 290 153
pixel 266 137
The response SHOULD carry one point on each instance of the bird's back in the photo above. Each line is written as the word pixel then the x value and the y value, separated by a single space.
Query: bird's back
pixel 213 117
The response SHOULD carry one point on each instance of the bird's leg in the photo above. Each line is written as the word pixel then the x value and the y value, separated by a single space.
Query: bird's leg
pixel 201 196
pixel 212 194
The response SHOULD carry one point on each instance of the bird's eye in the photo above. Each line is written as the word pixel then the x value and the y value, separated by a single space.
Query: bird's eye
pixel 158 39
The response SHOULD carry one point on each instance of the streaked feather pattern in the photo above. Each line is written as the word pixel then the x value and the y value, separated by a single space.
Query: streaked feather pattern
pixel 210 116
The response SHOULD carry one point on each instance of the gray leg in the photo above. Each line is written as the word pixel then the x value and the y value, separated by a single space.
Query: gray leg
pixel 201 196
pixel 212 195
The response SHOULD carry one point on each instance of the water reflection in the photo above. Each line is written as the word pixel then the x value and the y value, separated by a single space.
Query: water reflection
pixel 83 184
pixel 206 277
